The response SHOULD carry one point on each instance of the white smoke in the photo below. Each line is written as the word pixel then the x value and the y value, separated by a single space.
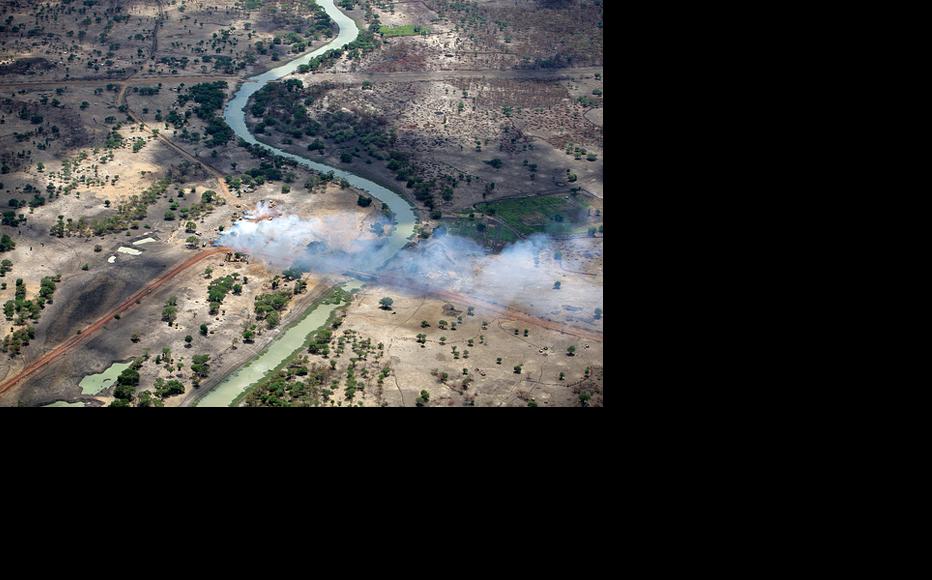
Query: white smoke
pixel 522 275
pixel 331 243
pixel 264 211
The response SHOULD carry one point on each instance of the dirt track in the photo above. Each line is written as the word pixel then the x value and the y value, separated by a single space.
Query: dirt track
pixel 90 330
pixel 357 78
pixel 340 78
pixel 134 79
pixel 522 316
pixel 504 311
pixel 216 173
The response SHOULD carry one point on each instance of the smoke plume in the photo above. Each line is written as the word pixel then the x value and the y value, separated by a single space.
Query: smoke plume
pixel 522 275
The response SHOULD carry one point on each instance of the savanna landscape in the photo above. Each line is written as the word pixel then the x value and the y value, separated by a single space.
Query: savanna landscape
pixel 301 203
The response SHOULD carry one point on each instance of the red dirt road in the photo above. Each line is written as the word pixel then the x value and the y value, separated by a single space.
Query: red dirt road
pixel 89 331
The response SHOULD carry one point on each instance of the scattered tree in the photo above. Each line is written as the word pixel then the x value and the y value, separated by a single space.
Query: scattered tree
pixel 199 365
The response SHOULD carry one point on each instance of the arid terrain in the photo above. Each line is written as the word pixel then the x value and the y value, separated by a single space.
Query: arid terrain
pixel 141 238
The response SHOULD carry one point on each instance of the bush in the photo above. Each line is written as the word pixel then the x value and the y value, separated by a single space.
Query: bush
pixel 199 365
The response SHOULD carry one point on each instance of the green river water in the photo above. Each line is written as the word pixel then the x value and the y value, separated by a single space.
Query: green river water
pixel 293 337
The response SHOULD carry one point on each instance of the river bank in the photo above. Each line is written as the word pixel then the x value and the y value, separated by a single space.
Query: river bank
pixel 234 386
pixel 277 354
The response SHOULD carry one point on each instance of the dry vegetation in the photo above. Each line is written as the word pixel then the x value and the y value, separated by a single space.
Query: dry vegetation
pixel 428 352
pixel 111 134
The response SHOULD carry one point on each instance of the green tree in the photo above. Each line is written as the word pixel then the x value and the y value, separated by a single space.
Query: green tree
pixel 129 377
pixel 170 310
pixel 124 392
pixel 199 365
pixel 6 243
pixel 147 400
pixel 386 303
pixel 168 389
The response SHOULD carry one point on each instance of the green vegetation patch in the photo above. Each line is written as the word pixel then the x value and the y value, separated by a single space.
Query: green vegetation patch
pixel 488 234
pixel 209 98
pixel 23 312
pixel 403 30
pixel 552 214
pixel 269 305
pixel 217 291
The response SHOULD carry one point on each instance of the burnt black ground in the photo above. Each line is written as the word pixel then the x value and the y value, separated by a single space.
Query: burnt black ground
pixel 79 301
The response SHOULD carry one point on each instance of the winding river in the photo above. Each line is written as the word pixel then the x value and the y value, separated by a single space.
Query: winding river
pixel 235 116
pixel 292 339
